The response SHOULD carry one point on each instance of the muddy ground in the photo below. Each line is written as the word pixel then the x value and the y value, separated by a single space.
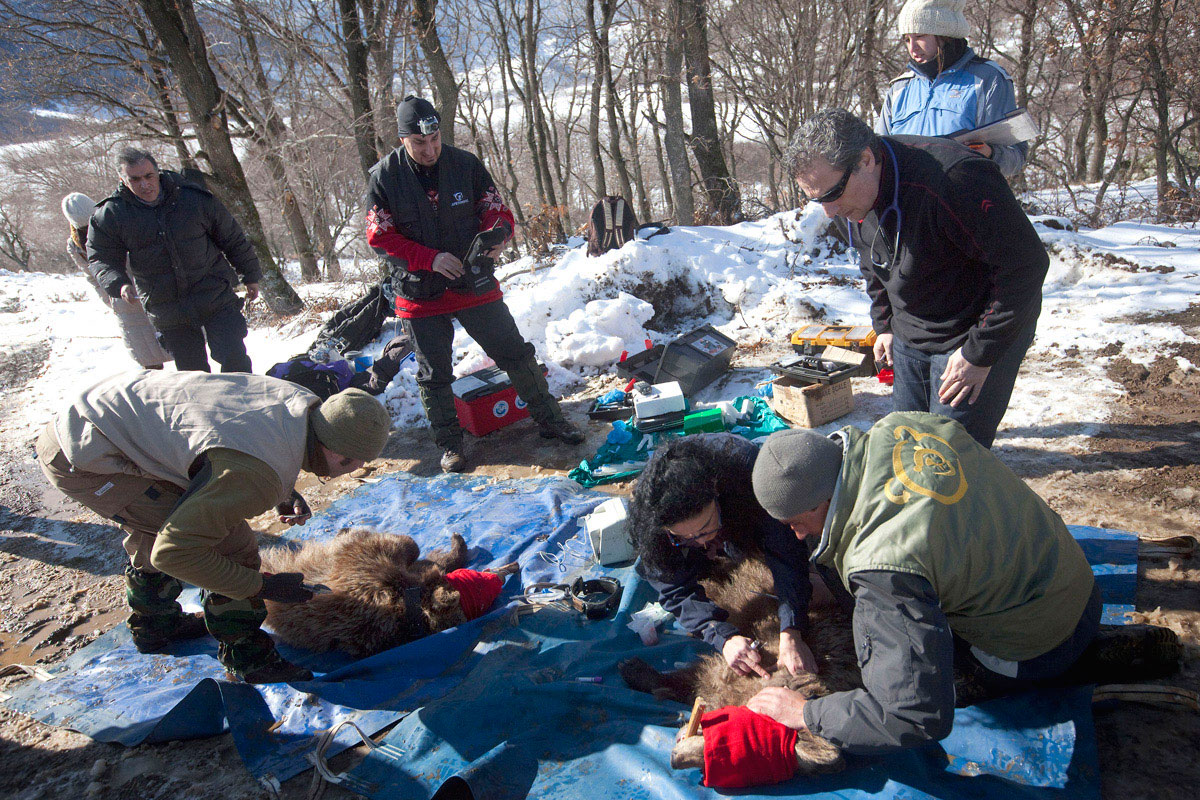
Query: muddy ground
pixel 1140 472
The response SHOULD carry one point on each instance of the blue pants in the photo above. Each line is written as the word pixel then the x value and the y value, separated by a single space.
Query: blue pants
pixel 225 332
pixel 918 378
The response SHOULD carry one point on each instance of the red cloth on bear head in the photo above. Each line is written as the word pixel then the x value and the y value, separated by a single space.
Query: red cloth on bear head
pixel 476 590
pixel 745 748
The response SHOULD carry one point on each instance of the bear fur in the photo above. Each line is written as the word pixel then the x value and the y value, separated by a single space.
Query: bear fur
pixel 367 571
pixel 744 592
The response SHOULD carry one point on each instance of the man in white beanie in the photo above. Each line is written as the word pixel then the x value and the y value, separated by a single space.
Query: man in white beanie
pixel 952 565
pixel 180 460
pixel 947 87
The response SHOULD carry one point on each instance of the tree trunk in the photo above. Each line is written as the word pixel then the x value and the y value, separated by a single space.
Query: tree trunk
pixel 445 85
pixel 381 44
pixel 174 21
pixel 601 184
pixel 723 194
pixel 674 137
pixel 270 132
pixel 357 85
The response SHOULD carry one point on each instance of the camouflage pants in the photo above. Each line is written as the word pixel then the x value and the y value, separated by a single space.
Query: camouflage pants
pixel 153 600
pixel 242 645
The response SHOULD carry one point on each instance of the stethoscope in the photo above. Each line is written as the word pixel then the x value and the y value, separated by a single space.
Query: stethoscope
pixel 893 208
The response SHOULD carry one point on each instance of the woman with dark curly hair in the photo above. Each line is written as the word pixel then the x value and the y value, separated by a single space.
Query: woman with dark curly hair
pixel 694 503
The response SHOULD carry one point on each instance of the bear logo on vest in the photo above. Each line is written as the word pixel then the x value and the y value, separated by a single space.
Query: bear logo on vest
pixel 458 199
pixel 500 409
pixel 926 465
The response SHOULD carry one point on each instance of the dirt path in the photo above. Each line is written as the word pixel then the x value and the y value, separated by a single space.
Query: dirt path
pixel 1141 473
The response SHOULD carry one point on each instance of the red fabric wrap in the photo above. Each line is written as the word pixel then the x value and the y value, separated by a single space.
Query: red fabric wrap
pixel 744 748
pixel 476 590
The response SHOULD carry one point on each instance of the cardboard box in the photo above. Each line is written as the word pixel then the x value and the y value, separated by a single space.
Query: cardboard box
pixel 810 405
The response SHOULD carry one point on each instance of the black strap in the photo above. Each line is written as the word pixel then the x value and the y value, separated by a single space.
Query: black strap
pixel 596 598
pixel 659 226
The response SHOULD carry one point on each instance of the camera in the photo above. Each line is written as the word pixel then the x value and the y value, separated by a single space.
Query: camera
pixel 479 268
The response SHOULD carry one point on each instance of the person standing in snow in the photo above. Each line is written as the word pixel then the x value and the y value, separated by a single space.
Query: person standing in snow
pixel 168 244
pixel 137 332
pixel 947 88
pixel 180 460
pixel 953 266
pixel 426 202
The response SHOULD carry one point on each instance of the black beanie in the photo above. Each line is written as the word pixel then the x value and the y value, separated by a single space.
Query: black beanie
pixel 411 111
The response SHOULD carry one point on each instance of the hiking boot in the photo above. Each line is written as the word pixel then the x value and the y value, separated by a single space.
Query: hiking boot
pixel 1127 653
pixel 158 638
pixel 453 460
pixel 562 430
pixel 277 670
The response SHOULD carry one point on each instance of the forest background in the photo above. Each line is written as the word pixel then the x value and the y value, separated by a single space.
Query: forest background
pixel 682 106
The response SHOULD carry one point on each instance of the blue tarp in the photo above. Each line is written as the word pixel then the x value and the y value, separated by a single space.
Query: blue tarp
pixel 521 724
pixel 495 700
pixel 112 693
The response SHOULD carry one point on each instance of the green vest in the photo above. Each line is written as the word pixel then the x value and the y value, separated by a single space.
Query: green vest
pixel 917 494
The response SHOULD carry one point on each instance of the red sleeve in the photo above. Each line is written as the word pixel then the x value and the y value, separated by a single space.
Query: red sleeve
pixel 382 234
pixel 491 209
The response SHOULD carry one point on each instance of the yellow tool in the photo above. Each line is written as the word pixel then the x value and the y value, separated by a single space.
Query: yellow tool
pixel 850 336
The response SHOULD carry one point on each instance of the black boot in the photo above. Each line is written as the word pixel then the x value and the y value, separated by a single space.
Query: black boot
pixel 562 430
pixel 157 620
pixel 1128 653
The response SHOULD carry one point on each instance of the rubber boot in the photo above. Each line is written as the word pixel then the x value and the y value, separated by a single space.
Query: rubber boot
pixel 157 620
pixel 244 648
pixel 530 383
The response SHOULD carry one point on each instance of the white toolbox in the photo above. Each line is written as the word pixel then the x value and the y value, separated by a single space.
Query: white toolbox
pixel 608 532
pixel 663 398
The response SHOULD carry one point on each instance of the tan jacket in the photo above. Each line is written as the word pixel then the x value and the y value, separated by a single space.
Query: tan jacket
pixel 253 429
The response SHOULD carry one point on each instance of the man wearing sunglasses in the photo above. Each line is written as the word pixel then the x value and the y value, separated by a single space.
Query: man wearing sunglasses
pixel 426 203
pixel 953 266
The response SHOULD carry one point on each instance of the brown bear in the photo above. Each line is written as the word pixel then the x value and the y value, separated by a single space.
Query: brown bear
pixel 367 609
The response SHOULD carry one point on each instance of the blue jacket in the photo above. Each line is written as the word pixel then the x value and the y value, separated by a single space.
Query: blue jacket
pixel 971 93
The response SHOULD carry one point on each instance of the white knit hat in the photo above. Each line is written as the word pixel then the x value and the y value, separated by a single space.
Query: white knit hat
pixel 934 17
pixel 77 208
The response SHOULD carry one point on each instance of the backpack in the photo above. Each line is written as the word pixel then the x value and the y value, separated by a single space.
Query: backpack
pixel 612 223
pixel 357 324
pixel 323 380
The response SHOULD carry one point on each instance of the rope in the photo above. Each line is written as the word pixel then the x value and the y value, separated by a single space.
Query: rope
pixel 323 775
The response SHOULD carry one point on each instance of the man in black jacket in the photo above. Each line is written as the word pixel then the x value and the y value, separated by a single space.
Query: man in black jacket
pixel 953 266
pixel 164 242
pixel 426 203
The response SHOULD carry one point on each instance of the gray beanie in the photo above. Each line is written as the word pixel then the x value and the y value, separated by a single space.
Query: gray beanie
pixel 353 424
pixel 934 17
pixel 77 207
pixel 795 472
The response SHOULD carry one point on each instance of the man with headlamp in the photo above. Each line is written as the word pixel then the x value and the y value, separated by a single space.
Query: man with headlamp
pixel 427 202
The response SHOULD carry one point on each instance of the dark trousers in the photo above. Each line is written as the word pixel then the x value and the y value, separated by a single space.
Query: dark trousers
pixel 918 378
pixel 225 332
pixel 493 327
pixel 1009 677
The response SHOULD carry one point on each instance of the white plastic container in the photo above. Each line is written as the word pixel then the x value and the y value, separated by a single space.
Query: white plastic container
pixel 608 532
pixel 663 398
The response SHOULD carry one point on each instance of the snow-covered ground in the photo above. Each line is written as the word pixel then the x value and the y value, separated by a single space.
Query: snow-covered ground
pixel 756 282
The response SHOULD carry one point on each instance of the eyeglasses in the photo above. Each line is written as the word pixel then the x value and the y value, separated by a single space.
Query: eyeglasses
pixel 700 538
pixel 428 125
pixel 838 188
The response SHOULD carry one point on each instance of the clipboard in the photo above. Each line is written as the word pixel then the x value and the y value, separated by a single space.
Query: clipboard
pixel 1013 128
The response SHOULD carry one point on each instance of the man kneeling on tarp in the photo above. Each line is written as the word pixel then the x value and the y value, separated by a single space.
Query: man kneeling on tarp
pixel 953 564
pixel 181 461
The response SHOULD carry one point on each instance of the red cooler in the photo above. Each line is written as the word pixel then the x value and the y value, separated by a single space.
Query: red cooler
pixel 486 401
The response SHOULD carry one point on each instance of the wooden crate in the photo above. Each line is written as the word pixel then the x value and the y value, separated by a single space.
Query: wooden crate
pixel 810 405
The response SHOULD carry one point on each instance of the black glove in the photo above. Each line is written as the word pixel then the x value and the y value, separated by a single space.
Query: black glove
pixel 284 587
pixel 294 510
